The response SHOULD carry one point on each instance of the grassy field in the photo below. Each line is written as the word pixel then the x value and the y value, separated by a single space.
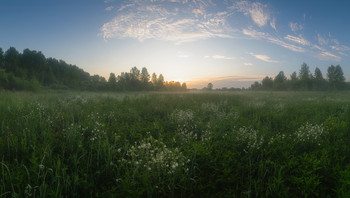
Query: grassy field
pixel 194 144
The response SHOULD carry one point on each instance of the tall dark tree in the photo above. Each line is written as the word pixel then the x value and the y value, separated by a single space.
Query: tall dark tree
pixel 34 63
pixel 184 86
pixel 319 83
pixel 304 73
pixel 335 76
pixel 154 79
pixel 160 82
pixel 293 76
pixel 318 74
pixel 210 86
pixel 305 78
pixel 280 78
pixel 255 86
pixel 1 58
pixel 267 83
pixel 11 60
pixel 112 81
pixel 144 78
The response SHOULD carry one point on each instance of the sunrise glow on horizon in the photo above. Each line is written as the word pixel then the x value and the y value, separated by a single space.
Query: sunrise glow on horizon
pixel 231 43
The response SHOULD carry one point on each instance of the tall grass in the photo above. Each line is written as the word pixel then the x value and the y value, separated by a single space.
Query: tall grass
pixel 215 144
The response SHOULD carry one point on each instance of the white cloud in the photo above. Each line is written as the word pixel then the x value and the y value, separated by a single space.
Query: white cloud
pixel 340 47
pixel 198 11
pixel 273 23
pixel 248 64
pixel 295 26
pixel 223 57
pixel 256 11
pixel 265 36
pixel 109 8
pixel 108 1
pixel 322 40
pixel 153 20
pixel 330 56
pixel 298 40
pixel 263 58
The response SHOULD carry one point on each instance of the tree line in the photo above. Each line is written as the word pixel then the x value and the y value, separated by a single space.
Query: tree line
pixel 31 70
pixel 305 80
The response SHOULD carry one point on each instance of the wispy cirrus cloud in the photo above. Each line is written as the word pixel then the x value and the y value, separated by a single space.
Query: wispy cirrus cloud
pixel 298 40
pixel 263 58
pixel 181 21
pixel 329 56
pixel 257 11
pixel 248 64
pixel 273 23
pixel 156 19
pixel 223 57
pixel 266 36
pixel 109 8
pixel 108 1
pixel 295 26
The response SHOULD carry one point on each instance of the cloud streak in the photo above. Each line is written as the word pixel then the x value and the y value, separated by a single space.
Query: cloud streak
pixel 223 57
pixel 298 40
pixel 255 10
pixel 263 58
pixel 265 36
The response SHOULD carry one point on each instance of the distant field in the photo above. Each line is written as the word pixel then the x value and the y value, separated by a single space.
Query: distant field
pixel 190 144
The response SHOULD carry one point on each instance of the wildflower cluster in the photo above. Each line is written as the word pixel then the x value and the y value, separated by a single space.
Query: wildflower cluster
pixel 93 128
pixel 155 157
pixel 310 133
pixel 249 138
pixel 184 120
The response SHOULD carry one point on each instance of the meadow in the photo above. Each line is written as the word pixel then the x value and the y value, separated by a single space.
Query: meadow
pixel 187 144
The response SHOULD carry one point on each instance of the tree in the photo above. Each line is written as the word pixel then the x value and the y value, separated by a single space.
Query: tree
pixel 210 86
pixel 11 59
pixel 1 58
pixel 135 73
pixel 112 81
pixel 154 79
pixel 336 77
pixel 255 86
pixel 319 83
pixel 160 81
pixel 184 86
pixel 280 78
pixel 145 77
pixel 267 83
pixel 304 73
pixel 318 74
pixel 294 77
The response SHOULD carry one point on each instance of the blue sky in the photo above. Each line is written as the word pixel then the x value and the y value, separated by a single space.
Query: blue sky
pixel 228 42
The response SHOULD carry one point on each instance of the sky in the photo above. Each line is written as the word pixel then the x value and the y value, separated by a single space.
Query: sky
pixel 231 43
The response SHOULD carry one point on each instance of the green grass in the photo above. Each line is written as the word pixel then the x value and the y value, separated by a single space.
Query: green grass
pixel 193 144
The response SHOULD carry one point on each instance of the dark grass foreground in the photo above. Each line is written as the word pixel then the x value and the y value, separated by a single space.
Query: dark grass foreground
pixel 175 144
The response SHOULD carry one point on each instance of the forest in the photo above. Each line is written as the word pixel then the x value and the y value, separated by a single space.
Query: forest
pixel 31 70
pixel 305 81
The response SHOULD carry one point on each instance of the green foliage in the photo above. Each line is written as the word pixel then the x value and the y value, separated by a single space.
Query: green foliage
pixel 213 144
pixel 30 70
pixel 305 81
